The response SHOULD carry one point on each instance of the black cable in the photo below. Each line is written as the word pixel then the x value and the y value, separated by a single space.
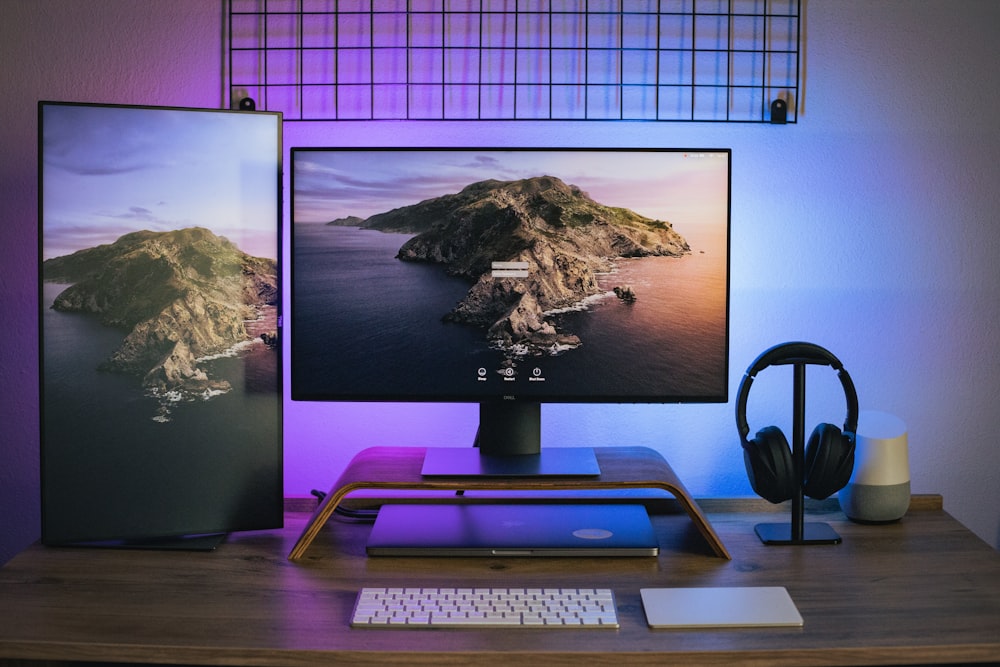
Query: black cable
pixel 367 516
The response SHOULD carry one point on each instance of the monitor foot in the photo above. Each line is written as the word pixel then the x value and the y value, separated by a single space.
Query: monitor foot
pixel 471 462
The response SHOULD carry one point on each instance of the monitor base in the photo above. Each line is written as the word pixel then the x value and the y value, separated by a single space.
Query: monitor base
pixel 206 542
pixel 550 462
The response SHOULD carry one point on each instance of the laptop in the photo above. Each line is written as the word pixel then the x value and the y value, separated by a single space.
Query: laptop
pixel 512 530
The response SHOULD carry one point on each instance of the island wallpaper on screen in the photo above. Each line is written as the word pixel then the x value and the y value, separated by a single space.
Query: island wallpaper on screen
pixel 160 295
pixel 560 274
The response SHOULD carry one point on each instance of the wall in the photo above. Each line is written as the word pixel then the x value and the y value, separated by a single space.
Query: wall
pixel 868 227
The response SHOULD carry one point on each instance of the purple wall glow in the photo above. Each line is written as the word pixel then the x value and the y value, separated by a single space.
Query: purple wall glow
pixel 868 227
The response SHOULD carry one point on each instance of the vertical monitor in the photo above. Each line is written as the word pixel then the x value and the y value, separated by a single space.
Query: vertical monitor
pixel 160 322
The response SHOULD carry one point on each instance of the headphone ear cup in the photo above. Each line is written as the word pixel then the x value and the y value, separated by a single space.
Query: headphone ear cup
pixel 769 466
pixel 829 461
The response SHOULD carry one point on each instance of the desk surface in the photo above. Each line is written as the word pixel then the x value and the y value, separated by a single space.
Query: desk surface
pixel 922 590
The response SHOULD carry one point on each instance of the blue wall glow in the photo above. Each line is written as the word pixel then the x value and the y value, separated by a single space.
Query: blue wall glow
pixel 869 227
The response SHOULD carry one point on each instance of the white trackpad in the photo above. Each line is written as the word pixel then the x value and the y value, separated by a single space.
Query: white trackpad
pixel 719 607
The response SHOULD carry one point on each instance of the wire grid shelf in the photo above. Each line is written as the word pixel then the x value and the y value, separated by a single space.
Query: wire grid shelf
pixel 652 60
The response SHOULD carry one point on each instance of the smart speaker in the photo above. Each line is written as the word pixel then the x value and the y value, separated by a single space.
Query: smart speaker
pixel 879 488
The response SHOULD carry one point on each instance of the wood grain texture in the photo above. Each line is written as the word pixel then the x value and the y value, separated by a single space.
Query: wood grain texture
pixel 923 590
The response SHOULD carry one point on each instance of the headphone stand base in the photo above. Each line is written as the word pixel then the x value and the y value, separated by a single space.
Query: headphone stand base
pixel 777 534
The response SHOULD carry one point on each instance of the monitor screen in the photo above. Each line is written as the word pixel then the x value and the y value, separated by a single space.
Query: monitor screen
pixel 159 319
pixel 510 277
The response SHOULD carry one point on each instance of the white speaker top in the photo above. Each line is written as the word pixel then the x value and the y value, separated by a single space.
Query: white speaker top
pixel 882 454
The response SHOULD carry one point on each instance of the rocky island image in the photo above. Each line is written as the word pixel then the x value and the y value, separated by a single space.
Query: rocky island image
pixel 178 297
pixel 159 253
pixel 159 304
pixel 449 274
pixel 561 237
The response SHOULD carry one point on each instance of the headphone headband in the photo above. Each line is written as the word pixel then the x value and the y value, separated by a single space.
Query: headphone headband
pixel 796 353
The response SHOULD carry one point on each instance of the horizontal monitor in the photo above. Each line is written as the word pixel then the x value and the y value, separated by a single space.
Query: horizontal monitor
pixel 508 275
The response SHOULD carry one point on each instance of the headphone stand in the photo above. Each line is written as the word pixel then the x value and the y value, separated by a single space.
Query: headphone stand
pixel 797 531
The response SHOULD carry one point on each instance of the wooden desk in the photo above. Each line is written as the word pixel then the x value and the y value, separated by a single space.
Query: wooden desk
pixel 923 590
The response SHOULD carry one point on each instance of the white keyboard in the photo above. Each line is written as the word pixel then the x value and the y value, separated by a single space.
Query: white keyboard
pixel 485 607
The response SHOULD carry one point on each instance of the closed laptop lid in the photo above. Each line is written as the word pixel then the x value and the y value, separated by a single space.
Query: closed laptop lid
pixel 512 530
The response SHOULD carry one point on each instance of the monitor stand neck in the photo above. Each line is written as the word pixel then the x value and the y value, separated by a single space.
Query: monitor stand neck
pixel 508 444
pixel 509 429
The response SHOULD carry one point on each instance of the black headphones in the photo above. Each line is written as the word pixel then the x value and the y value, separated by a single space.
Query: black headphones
pixel 829 454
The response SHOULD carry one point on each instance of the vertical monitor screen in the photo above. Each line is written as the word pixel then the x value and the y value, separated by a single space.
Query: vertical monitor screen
pixel 159 317
pixel 481 275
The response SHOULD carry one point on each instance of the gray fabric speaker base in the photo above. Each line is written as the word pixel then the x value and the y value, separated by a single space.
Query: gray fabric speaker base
pixel 875 504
